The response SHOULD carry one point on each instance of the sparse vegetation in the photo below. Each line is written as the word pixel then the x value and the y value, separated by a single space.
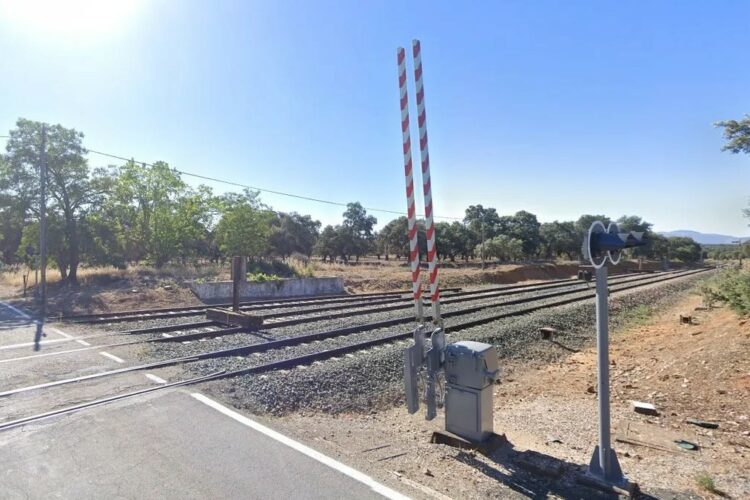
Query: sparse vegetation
pixel 706 482
pixel 731 287
pixel 638 315
pixel 136 215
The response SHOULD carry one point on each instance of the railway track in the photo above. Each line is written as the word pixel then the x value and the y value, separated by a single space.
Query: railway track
pixel 177 312
pixel 319 302
pixel 529 305
pixel 210 329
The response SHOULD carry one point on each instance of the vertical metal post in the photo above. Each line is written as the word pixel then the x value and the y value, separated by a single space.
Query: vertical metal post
pixel 43 222
pixel 604 464
pixel 602 347
pixel 236 280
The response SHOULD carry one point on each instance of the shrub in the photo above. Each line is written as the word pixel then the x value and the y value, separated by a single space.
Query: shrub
pixel 261 277
pixel 276 268
pixel 732 288
pixel 706 482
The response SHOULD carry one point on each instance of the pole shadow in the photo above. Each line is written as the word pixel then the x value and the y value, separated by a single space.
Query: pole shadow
pixel 536 475
pixel 39 334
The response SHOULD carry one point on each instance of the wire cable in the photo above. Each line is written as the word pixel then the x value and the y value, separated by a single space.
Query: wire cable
pixel 255 188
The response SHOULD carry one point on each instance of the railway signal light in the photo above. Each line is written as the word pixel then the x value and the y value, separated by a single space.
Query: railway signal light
pixel 603 243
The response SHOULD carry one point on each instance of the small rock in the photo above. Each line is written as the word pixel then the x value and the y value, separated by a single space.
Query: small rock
pixel 644 408
pixel 591 389
pixel 428 472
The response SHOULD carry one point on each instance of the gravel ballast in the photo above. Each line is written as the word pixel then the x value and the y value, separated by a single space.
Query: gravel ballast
pixel 367 380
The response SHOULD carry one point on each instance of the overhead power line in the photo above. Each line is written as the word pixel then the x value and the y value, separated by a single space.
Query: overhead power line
pixel 262 190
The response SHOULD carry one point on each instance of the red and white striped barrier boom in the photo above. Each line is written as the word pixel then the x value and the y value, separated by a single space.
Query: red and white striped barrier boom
pixel 428 208
pixel 416 280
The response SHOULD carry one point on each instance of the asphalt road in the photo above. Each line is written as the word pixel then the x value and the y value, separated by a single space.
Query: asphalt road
pixel 173 443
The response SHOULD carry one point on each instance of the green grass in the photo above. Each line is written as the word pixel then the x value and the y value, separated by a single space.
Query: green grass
pixel 732 287
pixel 638 315
pixel 706 482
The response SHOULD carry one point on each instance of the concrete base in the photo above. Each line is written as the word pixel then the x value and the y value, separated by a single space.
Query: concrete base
pixel 623 487
pixel 295 287
pixel 234 318
pixel 614 481
pixel 485 447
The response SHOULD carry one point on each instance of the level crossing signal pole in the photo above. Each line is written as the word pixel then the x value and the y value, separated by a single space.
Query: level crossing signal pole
pixel 602 245
pixel 43 223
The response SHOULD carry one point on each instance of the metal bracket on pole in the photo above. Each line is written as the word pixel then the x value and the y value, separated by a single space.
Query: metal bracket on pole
pixel 413 359
pixel 434 363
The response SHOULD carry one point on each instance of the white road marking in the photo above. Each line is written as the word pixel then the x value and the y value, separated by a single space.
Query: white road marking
pixel 60 332
pixel 66 336
pixel 156 379
pixel 55 353
pixel 111 356
pixel 28 344
pixel 305 450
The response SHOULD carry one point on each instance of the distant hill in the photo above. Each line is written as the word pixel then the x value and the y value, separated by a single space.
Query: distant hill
pixel 704 238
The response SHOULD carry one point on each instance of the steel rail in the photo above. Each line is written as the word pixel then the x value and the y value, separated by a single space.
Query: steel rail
pixel 178 312
pixel 232 330
pixel 307 358
pixel 478 295
pixel 487 292
pixel 276 344
pixel 228 331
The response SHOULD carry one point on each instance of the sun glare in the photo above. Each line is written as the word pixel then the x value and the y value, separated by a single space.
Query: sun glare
pixel 71 19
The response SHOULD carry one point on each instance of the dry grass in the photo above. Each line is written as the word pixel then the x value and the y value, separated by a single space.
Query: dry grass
pixel 102 275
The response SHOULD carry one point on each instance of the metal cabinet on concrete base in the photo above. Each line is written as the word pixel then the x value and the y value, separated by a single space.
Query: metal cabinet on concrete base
pixel 470 414
pixel 470 370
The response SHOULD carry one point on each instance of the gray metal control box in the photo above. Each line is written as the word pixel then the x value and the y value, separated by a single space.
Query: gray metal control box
pixel 470 364
pixel 470 370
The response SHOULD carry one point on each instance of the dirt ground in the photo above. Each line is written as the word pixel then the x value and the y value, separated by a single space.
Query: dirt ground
pixel 373 275
pixel 548 414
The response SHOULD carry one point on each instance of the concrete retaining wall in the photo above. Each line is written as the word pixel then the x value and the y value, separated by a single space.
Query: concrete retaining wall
pixel 221 291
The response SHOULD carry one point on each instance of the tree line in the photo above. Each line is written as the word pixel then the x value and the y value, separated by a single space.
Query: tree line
pixel 131 213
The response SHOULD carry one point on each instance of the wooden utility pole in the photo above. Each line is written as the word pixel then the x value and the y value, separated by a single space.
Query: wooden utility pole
pixel 43 222
pixel 481 251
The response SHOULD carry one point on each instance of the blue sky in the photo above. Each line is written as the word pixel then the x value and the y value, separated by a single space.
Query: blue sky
pixel 558 108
